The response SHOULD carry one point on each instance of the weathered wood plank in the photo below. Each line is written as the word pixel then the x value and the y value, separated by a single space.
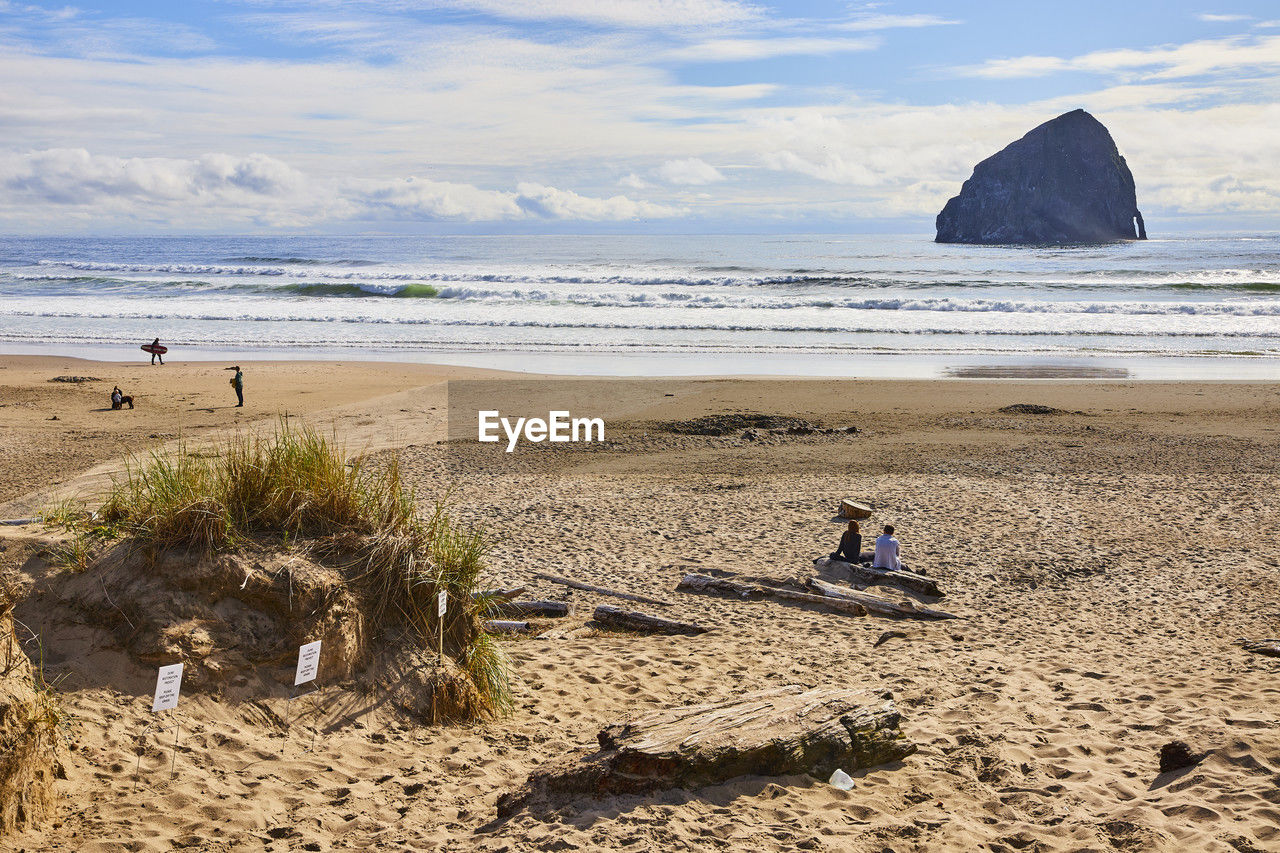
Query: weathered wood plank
pixel 629 596
pixel 781 731
pixel 627 620
pixel 877 605
pixel 865 574
pixel 526 609
pixel 756 591
pixel 500 593
pixel 506 626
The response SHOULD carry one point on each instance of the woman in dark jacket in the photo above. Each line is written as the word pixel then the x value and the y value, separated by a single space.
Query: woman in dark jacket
pixel 850 545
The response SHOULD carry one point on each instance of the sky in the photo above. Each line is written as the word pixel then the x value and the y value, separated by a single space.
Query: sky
pixel 691 116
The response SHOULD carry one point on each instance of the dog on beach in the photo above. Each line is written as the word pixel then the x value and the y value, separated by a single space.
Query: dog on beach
pixel 119 399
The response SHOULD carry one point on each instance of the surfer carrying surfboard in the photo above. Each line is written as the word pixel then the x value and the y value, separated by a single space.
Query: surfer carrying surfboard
pixel 156 350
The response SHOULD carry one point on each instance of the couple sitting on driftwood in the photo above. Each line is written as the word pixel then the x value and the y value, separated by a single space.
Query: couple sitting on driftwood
pixel 886 554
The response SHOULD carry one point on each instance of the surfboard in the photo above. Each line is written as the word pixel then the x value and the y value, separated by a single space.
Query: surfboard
pixel 155 349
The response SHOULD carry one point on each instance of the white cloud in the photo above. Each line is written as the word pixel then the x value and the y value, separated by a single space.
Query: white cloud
pixel 264 190
pixel 665 14
pixel 690 171
pixel 889 22
pixel 40 13
pixel 494 119
pixel 74 176
pixel 740 49
pixel 419 199
pixel 550 203
pixel 1222 19
pixel 1168 62
pixel 71 32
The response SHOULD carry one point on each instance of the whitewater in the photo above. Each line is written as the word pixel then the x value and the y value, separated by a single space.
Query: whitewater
pixel 819 304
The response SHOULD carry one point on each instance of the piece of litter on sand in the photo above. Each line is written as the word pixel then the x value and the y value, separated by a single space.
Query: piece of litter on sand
pixel 841 780
pixel 1176 755
pixel 890 635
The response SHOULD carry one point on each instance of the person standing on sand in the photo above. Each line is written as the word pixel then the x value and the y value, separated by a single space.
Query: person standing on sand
pixel 887 551
pixel 850 545
pixel 237 382
pixel 154 354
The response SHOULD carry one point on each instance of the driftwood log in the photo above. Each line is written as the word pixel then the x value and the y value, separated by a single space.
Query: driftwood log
pixel 1270 648
pixel 527 609
pixel 501 594
pixel 627 620
pixel 859 573
pixel 781 731
pixel 506 626
pixel 853 509
pixel 629 596
pixel 877 605
pixel 751 591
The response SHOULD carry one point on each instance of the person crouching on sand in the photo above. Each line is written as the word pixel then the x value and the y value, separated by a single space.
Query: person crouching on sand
pixel 850 545
pixel 887 551
pixel 237 382
pixel 119 399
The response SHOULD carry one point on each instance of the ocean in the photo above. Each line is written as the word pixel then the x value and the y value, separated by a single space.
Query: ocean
pixel 858 305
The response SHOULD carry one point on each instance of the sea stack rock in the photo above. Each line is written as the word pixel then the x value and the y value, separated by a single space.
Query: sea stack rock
pixel 1064 182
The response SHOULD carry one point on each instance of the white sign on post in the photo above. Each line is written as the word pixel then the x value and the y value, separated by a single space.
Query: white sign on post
pixel 308 663
pixel 442 603
pixel 168 686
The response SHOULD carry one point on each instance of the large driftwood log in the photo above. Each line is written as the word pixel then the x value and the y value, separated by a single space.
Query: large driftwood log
pixel 756 591
pixel 629 596
pixel 877 605
pixel 776 732
pixel 527 609
pixel 872 603
pixel 627 620
pixel 865 574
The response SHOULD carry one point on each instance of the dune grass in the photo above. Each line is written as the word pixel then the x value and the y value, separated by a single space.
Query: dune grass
pixel 298 484
pixel 86 533
pixel 294 480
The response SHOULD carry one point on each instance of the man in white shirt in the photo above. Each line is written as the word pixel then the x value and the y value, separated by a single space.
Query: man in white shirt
pixel 887 551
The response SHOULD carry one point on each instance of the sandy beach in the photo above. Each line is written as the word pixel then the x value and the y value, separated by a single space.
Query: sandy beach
pixel 1103 559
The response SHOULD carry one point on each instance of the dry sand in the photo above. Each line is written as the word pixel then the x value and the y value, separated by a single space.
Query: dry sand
pixel 1103 559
